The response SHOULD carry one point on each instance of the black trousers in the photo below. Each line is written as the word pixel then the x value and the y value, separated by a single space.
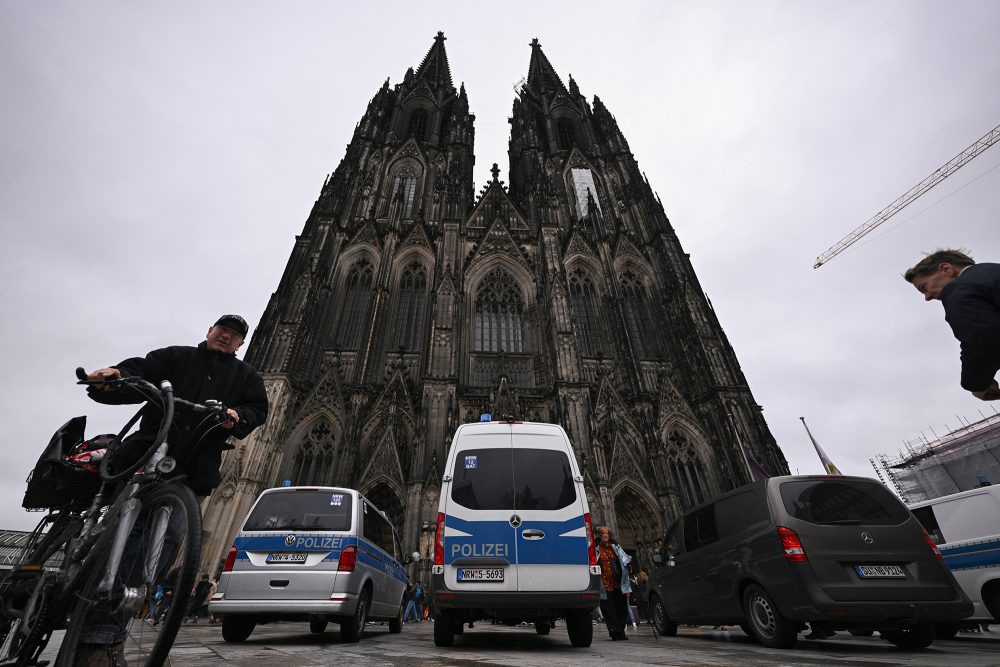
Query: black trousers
pixel 615 615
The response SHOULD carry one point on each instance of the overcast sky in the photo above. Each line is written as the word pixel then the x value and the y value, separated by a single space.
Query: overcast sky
pixel 157 160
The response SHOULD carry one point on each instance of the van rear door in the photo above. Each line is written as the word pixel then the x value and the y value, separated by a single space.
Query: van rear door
pixel 861 541
pixel 479 548
pixel 549 504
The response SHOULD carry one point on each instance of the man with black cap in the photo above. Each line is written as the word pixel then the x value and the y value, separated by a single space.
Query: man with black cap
pixel 209 371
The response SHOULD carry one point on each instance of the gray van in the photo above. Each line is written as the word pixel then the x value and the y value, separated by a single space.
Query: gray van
pixel 315 554
pixel 841 553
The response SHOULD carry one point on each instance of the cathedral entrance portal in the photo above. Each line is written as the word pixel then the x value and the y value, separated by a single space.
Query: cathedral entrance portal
pixel 640 527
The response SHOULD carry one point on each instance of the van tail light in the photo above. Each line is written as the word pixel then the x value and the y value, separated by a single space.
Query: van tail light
pixel 591 551
pixel 348 557
pixel 439 541
pixel 934 548
pixel 230 559
pixel 790 542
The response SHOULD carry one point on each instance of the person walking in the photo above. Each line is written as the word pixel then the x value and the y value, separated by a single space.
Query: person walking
pixel 642 595
pixel 411 605
pixel 970 294
pixel 614 583
pixel 199 598
pixel 418 601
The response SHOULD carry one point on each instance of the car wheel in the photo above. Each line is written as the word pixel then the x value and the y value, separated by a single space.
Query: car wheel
pixel 459 628
pixel 542 627
pixel 920 635
pixel 351 629
pixel 662 624
pixel 580 629
pixel 237 628
pixel 396 624
pixel 766 622
pixel 945 630
pixel 745 627
pixel 317 627
pixel 444 629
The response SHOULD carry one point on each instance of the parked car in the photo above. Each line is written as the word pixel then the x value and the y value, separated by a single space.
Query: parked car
pixel 966 527
pixel 315 554
pixel 840 553
pixel 514 539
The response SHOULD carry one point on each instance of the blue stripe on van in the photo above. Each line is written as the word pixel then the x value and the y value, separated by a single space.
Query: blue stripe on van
pixel 496 539
pixel 968 556
pixel 368 553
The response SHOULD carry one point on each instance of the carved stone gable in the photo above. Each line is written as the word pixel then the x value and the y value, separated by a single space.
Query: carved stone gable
pixel 410 149
pixel 497 239
pixel 417 237
pixel 384 462
pixel 578 245
pixel 624 467
pixel 367 234
pixel 625 248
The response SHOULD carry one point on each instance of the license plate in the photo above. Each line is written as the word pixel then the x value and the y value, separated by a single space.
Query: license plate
pixel 297 558
pixel 880 571
pixel 481 574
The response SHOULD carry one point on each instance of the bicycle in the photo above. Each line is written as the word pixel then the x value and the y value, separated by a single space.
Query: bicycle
pixel 141 531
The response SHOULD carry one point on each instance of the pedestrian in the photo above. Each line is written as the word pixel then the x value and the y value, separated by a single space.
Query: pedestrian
pixel 411 604
pixel 970 294
pixel 211 593
pixel 208 371
pixel 199 599
pixel 642 594
pixel 418 601
pixel 614 583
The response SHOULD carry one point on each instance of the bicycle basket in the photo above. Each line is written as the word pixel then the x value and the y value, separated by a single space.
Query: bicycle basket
pixel 57 481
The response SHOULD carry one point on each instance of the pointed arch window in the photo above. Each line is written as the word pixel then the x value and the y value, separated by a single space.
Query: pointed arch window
pixel 565 134
pixel 686 472
pixel 418 124
pixel 498 316
pixel 357 301
pixel 638 319
pixel 313 462
pixel 586 312
pixel 404 188
pixel 412 305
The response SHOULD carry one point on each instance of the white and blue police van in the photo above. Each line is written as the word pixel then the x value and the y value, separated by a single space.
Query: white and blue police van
pixel 316 554
pixel 514 538
pixel 966 528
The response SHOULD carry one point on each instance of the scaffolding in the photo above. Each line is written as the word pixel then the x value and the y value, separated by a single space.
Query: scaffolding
pixel 961 460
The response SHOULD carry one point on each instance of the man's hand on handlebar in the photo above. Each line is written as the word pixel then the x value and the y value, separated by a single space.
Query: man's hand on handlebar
pixel 234 418
pixel 104 374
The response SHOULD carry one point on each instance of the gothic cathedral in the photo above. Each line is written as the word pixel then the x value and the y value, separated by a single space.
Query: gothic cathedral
pixel 412 303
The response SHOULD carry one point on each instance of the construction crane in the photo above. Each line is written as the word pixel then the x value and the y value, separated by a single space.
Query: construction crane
pixel 907 198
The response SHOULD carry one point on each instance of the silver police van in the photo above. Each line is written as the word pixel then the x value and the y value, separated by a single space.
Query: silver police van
pixel 514 538
pixel 314 554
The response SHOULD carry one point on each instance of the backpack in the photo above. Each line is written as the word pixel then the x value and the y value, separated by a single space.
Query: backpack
pixel 418 593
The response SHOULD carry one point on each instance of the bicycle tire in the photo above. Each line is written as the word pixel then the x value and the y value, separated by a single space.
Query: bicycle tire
pixel 144 645
pixel 18 646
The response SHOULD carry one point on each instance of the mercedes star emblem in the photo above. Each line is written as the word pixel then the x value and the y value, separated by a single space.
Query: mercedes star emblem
pixel 866 538
pixel 515 521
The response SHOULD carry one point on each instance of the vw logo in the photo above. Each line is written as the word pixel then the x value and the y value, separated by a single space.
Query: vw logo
pixel 289 540
pixel 515 521
pixel 866 538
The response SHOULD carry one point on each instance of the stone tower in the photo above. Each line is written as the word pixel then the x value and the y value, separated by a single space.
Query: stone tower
pixel 411 303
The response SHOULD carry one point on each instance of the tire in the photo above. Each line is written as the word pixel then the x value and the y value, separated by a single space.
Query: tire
pixel 444 630
pixel 317 627
pixel 662 625
pixel 991 599
pixel 459 628
pixel 236 629
pixel 580 629
pixel 352 629
pixel 862 632
pixel 745 627
pixel 916 636
pixel 542 627
pixel 766 623
pixel 945 630
pixel 177 553
pixel 396 624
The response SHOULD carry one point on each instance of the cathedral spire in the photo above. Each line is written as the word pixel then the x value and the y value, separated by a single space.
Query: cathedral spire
pixel 434 67
pixel 541 75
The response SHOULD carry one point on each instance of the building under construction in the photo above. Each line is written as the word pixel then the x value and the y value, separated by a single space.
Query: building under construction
pixel 961 460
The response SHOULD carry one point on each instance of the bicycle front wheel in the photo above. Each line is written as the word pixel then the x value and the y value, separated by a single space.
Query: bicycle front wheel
pixel 151 589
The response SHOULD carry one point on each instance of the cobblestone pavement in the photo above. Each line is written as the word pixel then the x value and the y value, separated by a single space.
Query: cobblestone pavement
pixel 291 644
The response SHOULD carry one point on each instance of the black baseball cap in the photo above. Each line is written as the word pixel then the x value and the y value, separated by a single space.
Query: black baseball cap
pixel 234 322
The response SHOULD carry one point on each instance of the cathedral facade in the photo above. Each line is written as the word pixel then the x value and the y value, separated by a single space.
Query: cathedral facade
pixel 412 303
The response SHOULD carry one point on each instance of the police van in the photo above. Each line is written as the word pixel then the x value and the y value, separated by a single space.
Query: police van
pixel 514 538
pixel 966 528
pixel 315 554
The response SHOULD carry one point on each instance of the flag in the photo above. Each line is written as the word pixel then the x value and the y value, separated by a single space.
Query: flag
pixel 828 465
pixel 757 471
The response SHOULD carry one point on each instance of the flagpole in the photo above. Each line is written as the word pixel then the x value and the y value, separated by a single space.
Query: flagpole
pixel 823 459
pixel 739 441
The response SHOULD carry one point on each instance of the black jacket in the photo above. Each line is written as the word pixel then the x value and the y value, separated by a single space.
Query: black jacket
pixel 972 308
pixel 197 374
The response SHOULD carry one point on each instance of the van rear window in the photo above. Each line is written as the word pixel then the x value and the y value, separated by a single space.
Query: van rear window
pixel 509 479
pixel 842 502
pixel 301 510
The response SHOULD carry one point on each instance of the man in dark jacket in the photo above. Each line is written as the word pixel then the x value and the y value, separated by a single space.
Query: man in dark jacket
pixel 206 372
pixel 209 371
pixel 970 294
